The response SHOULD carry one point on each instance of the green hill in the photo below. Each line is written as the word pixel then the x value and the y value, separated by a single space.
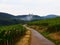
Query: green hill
pixel 8 19
pixel 52 24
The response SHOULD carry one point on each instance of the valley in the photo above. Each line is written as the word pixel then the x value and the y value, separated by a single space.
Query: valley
pixel 29 29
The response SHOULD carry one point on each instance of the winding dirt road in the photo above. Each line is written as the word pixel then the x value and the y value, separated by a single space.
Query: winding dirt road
pixel 38 39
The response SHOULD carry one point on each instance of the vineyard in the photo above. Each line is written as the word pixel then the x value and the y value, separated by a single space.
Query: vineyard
pixel 50 28
pixel 53 25
pixel 10 34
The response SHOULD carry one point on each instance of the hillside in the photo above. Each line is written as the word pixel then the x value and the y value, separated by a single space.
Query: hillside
pixel 48 23
pixel 28 17
pixel 50 16
pixel 5 15
pixel 49 28
pixel 31 17
pixel 6 19
pixel 10 27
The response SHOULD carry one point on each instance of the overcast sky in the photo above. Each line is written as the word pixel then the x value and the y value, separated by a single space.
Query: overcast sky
pixel 39 7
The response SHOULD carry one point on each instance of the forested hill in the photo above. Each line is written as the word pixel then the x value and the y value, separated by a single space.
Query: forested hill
pixel 5 15
pixel 6 19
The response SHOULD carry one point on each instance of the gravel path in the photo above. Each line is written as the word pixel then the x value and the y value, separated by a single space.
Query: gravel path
pixel 38 39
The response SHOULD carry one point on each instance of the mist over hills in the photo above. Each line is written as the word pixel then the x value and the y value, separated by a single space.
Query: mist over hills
pixel 50 16
pixel 6 18
pixel 28 17
pixel 25 17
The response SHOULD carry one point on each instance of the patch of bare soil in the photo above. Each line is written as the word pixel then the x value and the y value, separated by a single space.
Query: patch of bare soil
pixel 55 36
pixel 25 40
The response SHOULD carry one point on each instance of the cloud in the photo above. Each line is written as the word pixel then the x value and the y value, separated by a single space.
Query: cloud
pixel 13 9
pixel 41 7
pixel 15 1
pixel 26 1
pixel 4 0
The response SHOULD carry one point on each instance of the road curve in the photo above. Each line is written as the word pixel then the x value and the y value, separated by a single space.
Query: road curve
pixel 38 39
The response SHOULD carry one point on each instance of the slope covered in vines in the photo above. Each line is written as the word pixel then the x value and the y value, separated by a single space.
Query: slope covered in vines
pixel 10 34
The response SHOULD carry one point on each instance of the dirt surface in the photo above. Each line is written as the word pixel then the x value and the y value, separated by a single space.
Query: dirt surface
pixel 38 39
pixel 25 40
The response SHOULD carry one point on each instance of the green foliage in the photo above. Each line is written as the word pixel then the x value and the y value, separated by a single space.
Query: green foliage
pixel 11 32
pixel 54 28
pixel 52 24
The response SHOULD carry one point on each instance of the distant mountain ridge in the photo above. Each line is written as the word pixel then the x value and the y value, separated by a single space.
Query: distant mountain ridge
pixel 28 17
pixel 50 16
pixel 9 18
pixel 6 15
pixel 25 17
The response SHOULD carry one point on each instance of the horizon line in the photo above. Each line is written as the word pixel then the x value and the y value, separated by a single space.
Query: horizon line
pixel 29 14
